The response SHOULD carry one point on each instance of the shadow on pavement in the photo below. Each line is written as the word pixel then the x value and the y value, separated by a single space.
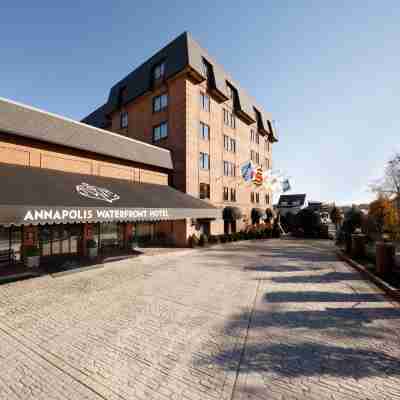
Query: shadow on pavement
pixel 315 296
pixel 310 359
pixel 330 277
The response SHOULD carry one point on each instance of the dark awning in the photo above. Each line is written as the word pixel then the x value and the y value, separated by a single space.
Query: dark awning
pixel 257 213
pixel 40 196
pixel 231 213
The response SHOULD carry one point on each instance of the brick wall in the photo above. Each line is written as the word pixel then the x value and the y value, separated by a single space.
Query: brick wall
pixel 184 114
pixel 15 150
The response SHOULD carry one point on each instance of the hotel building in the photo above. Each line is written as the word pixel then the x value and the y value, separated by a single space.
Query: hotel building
pixel 182 100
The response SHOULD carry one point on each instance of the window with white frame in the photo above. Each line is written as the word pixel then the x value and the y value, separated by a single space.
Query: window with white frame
pixel 159 71
pixel 160 131
pixel 204 161
pixel 204 101
pixel 124 120
pixel 204 131
pixel 160 102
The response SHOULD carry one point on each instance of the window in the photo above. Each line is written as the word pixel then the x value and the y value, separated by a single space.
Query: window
pixel 252 197
pixel 124 120
pixel 160 131
pixel 226 168
pixel 266 143
pixel 204 131
pixel 267 163
pixel 160 102
pixel 233 194
pixel 258 158
pixel 204 191
pixel 267 198
pixel 226 117
pixel 229 144
pixel 226 143
pixel 229 169
pixel 122 96
pixel 252 155
pixel 205 67
pixel 233 145
pixel 204 161
pixel 252 135
pixel 205 101
pixel 233 121
pixel 159 71
pixel 226 194
pixel 257 197
pixel 257 138
pixel 229 119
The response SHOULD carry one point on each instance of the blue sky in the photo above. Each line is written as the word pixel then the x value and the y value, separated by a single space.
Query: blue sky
pixel 329 73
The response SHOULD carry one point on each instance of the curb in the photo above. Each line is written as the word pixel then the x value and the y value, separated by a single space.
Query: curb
pixel 19 277
pixel 388 289
pixel 75 270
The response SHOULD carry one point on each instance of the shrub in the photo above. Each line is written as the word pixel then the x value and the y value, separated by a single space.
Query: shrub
pixel 91 244
pixel 213 239
pixel 236 236
pixel 203 241
pixel 223 238
pixel 193 241
pixel 32 251
pixel 266 233
pixel 229 238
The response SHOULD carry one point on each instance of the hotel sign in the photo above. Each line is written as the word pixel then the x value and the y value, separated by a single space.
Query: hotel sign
pixel 64 215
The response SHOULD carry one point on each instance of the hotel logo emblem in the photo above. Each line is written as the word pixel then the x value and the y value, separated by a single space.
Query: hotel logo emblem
pixel 95 192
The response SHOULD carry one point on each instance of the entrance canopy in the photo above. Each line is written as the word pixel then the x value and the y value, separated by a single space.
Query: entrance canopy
pixel 41 196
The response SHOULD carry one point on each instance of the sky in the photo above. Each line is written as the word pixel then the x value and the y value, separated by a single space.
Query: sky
pixel 327 71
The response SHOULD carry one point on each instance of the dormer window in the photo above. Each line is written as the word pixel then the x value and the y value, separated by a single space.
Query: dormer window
pixel 122 96
pixel 159 71
pixel 205 68
pixel 124 120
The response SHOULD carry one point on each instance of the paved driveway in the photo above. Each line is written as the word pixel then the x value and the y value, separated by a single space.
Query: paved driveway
pixel 254 320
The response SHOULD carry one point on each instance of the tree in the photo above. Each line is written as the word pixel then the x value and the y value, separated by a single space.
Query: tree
pixel 384 216
pixel 389 184
pixel 336 216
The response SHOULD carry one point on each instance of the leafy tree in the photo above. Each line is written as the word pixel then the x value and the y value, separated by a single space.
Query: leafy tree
pixel 385 217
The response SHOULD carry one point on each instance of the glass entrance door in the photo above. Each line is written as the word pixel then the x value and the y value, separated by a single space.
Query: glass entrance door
pixel 59 239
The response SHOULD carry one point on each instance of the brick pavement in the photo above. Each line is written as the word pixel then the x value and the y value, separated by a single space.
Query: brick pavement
pixel 254 320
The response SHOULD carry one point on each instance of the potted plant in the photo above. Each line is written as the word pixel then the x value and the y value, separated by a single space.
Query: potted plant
pixel 203 241
pixel 92 248
pixel 32 256
pixel 133 243
pixel 193 241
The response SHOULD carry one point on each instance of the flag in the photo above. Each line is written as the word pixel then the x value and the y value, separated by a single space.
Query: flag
pixel 286 185
pixel 247 171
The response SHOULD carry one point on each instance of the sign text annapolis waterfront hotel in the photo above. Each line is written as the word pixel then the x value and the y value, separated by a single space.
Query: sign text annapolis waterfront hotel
pixel 88 214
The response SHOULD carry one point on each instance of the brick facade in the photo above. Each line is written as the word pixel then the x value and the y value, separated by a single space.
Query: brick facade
pixel 184 114
pixel 17 150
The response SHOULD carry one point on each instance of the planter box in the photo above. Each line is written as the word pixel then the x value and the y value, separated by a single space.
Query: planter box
pixel 92 252
pixel 358 241
pixel 32 262
pixel 134 246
